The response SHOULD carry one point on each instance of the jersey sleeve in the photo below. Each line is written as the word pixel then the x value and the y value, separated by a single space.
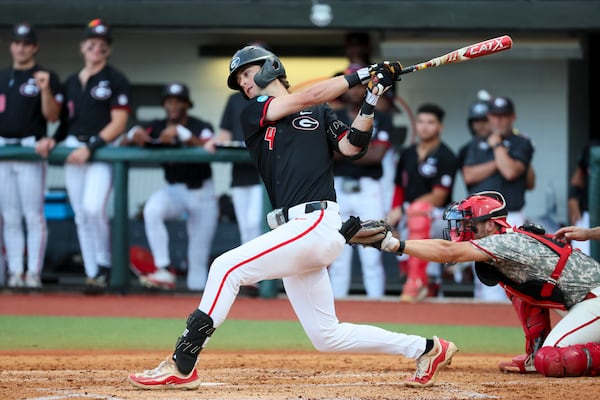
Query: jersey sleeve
pixel 200 129
pixel 121 93
pixel 254 116
pixel 383 129
pixel 56 88
pixel 446 170
pixel 522 151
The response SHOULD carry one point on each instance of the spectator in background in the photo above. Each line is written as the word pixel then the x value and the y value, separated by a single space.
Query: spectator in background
pixel 30 96
pixel 578 206
pixel 358 49
pixel 246 186
pixel 359 192
pixel 423 187
pixel 500 162
pixel 190 191
pixel 97 99
pixel 479 127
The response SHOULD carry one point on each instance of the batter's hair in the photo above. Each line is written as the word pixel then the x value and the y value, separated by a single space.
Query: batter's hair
pixel 431 108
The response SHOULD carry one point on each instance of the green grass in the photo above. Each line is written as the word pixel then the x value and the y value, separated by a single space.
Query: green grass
pixel 81 333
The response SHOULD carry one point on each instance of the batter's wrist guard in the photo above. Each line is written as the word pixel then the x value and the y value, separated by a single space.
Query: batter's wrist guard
pixel 359 77
pixel 199 327
pixel 94 143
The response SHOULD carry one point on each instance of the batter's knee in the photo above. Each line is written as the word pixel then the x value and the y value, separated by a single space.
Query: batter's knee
pixel 325 340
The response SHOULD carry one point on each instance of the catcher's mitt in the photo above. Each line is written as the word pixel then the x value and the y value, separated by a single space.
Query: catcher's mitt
pixel 375 233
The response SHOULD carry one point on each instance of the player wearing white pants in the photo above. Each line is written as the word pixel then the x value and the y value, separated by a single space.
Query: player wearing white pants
pixel 22 198
pixel 201 214
pixel 291 138
pixel 366 202
pixel 89 186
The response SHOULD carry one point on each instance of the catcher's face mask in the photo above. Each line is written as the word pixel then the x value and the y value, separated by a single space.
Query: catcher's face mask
pixel 460 225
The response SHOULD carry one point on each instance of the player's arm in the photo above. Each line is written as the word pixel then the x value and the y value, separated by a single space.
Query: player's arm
pixel 437 197
pixel 442 251
pixel 50 106
pixel 473 174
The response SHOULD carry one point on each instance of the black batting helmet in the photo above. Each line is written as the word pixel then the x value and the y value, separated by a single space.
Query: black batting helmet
pixel 271 69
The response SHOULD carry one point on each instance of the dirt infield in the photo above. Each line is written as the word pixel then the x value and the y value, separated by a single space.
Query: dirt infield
pixel 58 375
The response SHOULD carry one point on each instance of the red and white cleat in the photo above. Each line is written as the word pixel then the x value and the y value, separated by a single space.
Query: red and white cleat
pixel 428 365
pixel 165 376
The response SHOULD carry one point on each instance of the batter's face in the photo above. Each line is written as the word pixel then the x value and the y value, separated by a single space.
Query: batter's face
pixel 245 78
pixel 428 127
pixel 22 52
pixel 176 109
pixel 95 50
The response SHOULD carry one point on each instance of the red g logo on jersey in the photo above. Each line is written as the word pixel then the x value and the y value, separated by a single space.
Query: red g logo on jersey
pixel 102 91
pixel 305 123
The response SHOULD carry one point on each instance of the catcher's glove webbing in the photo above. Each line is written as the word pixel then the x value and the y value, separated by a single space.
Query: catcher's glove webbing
pixel 371 233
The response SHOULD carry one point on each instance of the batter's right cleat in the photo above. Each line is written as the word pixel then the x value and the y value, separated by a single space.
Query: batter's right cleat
pixel 161 279
pixel 428 365
pixel 165 376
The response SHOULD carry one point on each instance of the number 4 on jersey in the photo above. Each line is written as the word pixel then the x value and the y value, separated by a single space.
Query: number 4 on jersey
pixel 270 136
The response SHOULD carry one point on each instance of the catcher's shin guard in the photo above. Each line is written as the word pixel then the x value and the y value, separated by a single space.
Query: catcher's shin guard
pixel 535 321
pixel 199 328
pixel 419 227
pixel 576 360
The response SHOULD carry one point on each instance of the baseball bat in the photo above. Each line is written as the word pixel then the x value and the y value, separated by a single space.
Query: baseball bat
pixel 466 53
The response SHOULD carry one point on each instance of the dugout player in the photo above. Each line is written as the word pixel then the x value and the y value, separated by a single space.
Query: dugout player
pixel 96 113
pixel 291 138
pixel 190 191
pixel 422 188
pixel 500 161
pixel 30 96
pixel 538 273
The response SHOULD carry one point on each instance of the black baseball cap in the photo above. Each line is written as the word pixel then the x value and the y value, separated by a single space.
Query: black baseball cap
pixel 23 31
pixel 502 106
pixel 97 28
pixel 178 90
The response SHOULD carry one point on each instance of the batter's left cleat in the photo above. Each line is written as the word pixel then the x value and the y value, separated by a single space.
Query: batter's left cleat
pixel 165 376
pixel 428 365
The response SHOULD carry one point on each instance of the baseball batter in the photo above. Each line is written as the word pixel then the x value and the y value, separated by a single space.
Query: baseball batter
pixel 30 96
pixel 291 138
pixel 97 99
pixel 538 273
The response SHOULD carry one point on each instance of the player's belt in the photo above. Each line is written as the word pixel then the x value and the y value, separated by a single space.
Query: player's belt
pixel 304 208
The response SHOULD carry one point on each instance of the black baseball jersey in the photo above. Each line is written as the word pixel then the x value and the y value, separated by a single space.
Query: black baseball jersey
pixel 21 103
pixel 382 126
pixel 89 107
pixel 519 148
pixel 242 174
pixel 294 155
pixel 419 177
pixel 192 174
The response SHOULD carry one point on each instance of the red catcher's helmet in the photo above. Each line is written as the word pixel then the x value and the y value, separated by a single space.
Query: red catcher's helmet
pixel 478 207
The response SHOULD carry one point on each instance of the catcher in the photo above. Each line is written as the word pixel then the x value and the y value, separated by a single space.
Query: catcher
pixel 538 273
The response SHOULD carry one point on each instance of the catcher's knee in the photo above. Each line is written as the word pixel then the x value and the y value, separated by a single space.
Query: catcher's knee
pixel 198 329
pixel 576 360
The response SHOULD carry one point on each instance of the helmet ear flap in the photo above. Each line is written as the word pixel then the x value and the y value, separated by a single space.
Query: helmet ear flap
pixel 270 70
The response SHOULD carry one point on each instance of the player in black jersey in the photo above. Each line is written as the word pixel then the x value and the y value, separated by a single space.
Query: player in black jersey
pixel 30 96
pixel 291 138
